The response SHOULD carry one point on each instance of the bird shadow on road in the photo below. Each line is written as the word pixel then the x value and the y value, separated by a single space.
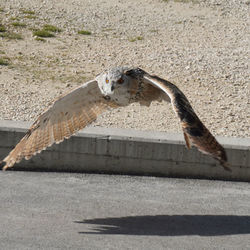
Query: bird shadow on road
pixel 170 225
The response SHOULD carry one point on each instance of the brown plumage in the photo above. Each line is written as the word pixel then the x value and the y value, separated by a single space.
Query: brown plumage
pixel 195 132
pixel 116 87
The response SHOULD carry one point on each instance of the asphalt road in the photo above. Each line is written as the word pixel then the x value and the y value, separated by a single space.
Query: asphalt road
pixel 79 211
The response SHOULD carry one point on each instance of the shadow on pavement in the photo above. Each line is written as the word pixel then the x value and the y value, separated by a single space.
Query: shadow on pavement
pixel 171 225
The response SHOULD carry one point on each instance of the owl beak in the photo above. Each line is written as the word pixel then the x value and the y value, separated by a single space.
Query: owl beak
pixel 107 98
pixel 112 87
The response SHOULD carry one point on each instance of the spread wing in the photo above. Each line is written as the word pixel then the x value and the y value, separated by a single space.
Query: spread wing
pixel 66 116
pixel 195 132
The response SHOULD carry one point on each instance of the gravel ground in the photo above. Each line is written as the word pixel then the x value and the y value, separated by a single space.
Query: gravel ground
pixel 202 46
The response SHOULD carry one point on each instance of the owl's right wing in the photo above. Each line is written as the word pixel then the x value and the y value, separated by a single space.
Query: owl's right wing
pixel 66 116
pixel 195 132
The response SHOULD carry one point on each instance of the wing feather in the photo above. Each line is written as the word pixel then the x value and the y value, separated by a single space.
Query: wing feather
pixel 194 130
pixel 66 116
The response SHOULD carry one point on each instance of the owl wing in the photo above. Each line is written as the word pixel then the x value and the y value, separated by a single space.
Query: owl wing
pixel 195 132
pixel 66 116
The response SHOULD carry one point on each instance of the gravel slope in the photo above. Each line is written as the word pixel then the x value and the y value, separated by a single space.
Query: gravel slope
pixel 202 46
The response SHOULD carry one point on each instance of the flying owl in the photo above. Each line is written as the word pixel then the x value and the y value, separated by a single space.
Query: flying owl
pixel 114 88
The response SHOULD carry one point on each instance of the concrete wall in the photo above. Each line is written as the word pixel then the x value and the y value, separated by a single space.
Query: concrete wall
pixel 105 150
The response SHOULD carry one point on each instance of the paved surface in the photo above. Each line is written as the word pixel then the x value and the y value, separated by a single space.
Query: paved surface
pixel 77 211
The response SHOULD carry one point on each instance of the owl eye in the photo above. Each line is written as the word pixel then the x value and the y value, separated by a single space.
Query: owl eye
pixel 107 81
pixel 120 81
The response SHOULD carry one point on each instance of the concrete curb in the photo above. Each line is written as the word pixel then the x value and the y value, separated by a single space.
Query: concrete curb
pixel 121 151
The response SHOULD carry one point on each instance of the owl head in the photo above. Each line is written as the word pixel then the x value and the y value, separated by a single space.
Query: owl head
pixel 114 84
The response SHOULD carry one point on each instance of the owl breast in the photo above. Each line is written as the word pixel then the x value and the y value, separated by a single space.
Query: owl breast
pixel 121 95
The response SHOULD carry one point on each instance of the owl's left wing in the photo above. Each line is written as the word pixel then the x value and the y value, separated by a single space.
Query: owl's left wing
pixel 65 117
pixel 194 130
